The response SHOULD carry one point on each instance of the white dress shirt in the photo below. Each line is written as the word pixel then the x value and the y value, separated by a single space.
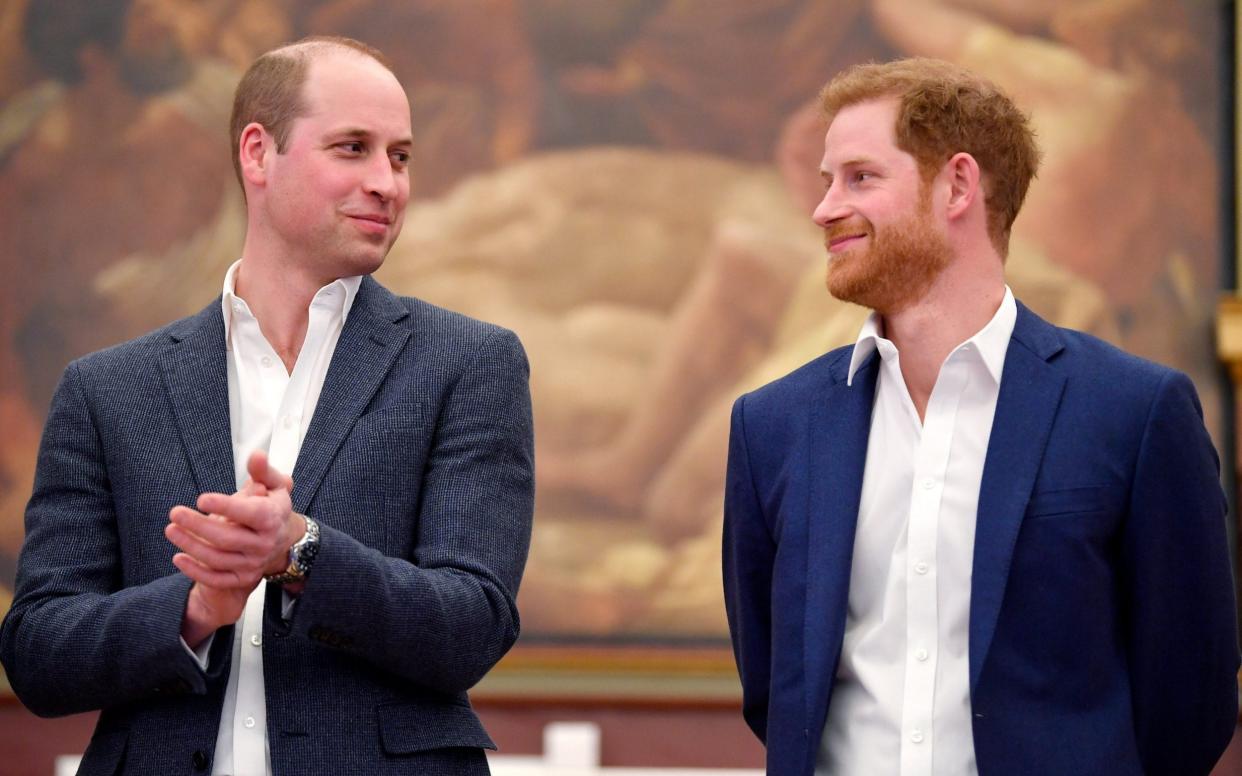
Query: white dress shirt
pixel 269 409
pixel 901 699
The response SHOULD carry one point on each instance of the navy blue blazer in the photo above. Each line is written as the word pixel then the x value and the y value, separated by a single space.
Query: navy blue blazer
pixel 418 466
pixel 1103 636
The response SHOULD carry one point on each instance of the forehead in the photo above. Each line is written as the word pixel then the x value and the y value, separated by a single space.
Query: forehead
pixel 865 130
pixel 347 89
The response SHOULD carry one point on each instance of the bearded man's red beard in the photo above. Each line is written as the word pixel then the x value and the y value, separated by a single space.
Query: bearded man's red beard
pixel 897 266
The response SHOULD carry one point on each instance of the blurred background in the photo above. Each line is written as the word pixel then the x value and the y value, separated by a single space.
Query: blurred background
pixel 627 184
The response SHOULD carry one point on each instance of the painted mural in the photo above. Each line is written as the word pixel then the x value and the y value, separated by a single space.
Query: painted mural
pixel 627 184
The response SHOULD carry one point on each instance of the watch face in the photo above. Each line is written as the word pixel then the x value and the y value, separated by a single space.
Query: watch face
pixel 304 551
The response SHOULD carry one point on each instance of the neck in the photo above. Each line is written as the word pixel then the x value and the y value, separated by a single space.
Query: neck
pixel 279 296
pixel 960 303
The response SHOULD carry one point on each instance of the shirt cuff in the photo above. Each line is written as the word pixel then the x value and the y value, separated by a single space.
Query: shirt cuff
pixel 203 652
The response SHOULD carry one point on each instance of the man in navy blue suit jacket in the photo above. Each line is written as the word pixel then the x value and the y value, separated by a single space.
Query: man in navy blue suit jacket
pixel 972 542
pixel 393 553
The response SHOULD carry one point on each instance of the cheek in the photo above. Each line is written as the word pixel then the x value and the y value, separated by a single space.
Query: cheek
pixel 403 188
pixel 399 222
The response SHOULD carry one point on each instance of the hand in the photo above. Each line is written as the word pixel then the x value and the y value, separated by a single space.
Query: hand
pixel 231 544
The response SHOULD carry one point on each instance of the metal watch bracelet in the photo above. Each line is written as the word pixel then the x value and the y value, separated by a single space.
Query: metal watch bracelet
pixel 301 556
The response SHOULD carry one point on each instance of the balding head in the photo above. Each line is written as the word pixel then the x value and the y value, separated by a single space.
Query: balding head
pixel 271 91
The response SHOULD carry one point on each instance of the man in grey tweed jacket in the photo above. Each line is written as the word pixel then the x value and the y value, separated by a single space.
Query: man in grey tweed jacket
pixel 392 557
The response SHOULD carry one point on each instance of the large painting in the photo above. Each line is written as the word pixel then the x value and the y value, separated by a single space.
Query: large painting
pixel 626 184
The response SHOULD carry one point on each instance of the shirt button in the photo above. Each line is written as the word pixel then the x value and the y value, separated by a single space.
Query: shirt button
pixel 256 640
pixel 921 655
pixel 921 567
pixel 248 722
pixel 266 361
pixel 237 307
pixel 916 736
pixel 929 483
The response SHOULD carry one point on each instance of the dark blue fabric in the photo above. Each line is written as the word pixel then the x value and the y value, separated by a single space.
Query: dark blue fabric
pixel 418 465
pixel 1103 635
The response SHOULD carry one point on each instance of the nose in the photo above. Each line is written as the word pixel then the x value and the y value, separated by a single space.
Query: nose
pixel 382 181
pixel 831 208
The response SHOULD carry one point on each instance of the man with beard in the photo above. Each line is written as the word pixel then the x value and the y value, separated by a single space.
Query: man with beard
pixel 392 555
pixel 972 542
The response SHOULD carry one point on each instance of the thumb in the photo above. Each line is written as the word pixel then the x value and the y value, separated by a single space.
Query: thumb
pixel 263 473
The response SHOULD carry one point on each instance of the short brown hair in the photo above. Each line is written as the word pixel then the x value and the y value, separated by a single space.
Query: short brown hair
pixel 270 92
pixel 945 109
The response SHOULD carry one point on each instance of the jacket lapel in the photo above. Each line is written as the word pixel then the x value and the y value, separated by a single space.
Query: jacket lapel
pixel 364 354
pixel 1030 393
pixel 839 430
pixel 195 371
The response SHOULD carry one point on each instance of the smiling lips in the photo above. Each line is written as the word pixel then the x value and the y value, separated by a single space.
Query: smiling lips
pixel 376 223
pixel 837 239
pixel 837 243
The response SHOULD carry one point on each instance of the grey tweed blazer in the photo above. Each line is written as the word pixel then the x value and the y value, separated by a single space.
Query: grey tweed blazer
pixel 418 465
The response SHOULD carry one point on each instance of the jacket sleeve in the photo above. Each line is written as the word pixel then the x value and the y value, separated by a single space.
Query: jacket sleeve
pixel 749 552
pixel 74 640
pixel 444 618
pixel 1180 608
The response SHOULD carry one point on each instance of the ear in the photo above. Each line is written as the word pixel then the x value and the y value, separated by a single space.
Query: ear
pixel 254 148
pixel 961 173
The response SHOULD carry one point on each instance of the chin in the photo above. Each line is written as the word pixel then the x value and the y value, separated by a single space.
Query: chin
pixel 364 262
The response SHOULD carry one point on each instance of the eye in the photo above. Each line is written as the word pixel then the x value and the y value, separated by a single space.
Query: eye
pixel 351 146
pixel 400 158
pixel 862 176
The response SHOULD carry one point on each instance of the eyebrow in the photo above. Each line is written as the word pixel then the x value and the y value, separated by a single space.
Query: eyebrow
pixel 364 134
pixel 857 161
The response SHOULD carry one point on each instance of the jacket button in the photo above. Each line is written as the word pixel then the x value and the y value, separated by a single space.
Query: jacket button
pixel 200 760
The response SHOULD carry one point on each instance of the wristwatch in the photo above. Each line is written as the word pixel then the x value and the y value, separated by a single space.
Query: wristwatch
pixel 301 556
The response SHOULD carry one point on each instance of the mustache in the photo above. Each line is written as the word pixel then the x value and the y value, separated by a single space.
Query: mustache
pixel 835 231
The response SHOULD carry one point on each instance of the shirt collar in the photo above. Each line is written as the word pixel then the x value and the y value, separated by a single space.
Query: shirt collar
pixel 992 341
pixel 230 301
pixel 865 345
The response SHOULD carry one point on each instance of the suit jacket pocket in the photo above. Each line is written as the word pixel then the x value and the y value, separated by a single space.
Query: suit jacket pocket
pixel 105 752
pixel 1068 501
pixel 404 415
pixel 420 726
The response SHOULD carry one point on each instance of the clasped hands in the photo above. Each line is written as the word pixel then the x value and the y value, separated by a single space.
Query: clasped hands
pixel 230 542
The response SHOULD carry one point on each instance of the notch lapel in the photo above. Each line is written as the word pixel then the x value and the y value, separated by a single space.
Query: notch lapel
pixel 839 430
pixel 367 348
pixel 195 372
pixel 1030 394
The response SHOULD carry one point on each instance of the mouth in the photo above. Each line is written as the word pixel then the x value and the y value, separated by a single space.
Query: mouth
pixel 838 243
pixel 373 223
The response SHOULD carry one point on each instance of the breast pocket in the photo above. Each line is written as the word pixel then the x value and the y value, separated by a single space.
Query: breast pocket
pixel 403 416
pixel 1068 501
pixel 1090 514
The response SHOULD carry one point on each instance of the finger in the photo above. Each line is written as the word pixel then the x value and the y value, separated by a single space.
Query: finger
pixel 197 572
pixel 209 555
pixel 259 513
pixel 252 488
pixel 220 533
pixel 262 471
